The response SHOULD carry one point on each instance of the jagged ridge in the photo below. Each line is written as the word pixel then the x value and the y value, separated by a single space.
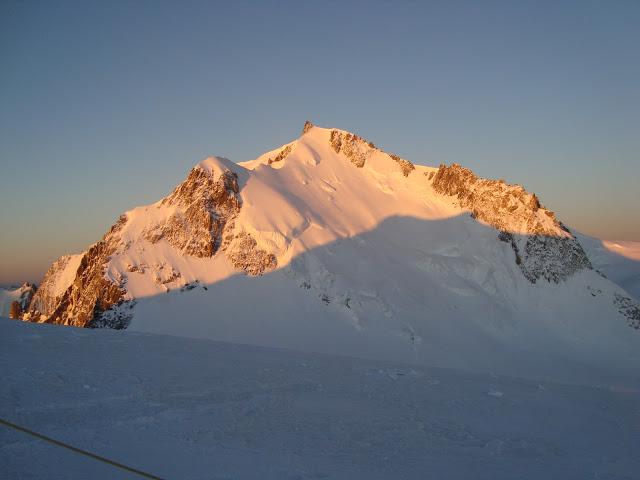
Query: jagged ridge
pixel 543 247
pixel 204 206
pixel 202 218
pixel 201 223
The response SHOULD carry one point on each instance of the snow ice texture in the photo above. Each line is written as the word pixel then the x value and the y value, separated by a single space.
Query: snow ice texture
pixel 197 409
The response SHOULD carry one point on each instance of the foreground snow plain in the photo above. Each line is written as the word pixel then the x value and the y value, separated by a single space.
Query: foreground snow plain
pixel 199 409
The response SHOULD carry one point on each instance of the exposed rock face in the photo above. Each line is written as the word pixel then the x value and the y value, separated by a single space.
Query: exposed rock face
pixel 307 126
pixel 91 293
pixel 405 165
pixel 358 150
pixel 281 155
pixel 630 309
pixel 355 148
pixel 204 222
pixel 201 223
pixel 118 316
pixel 204 206
pixel 543 247
pixel 56 280
pixel 14 300
pixel 15 310
pixel 244 254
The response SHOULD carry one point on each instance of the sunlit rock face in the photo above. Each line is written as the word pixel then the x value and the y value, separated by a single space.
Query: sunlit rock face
pixel 57 279
pixel 196 219
pixel 358 150
pixel 405 165
pixel 543 247
pixel 203 205
pixel 244 254
pixel 90 292
pixel 281 155
pixel 355 148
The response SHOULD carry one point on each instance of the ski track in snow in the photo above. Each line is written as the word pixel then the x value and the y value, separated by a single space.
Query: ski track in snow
pixel 198 409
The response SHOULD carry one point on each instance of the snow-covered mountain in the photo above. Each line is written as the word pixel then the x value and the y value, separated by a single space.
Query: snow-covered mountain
pixel 330 244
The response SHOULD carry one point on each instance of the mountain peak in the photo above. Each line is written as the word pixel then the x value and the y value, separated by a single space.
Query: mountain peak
pixel 307 126
pixel 217 165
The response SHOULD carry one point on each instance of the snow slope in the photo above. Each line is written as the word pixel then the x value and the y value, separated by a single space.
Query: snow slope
pixel 329 244
pixel 619 261
pixel 196 409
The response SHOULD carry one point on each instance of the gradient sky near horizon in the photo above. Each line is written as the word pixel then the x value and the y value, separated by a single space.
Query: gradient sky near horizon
pixel 106 105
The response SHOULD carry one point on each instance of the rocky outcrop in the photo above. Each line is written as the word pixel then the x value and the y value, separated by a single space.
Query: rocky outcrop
pixel 57 279
pixel 204 205
pixel 204 223
pixel 358 150
pixel 15 310
pixel 243 252
pixel 199 222
pixel 201 205
pixel 406 167
pixel 355 148
pixel 630 309
pixel 282 154
pixel 117 317
pixel 543 247
pixel 307 126
pixel 91 292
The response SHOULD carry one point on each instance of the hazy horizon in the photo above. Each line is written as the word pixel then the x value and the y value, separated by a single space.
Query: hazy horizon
pixel 107 106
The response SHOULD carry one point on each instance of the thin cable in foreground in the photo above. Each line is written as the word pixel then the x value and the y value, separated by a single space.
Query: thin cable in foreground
pixel 53 441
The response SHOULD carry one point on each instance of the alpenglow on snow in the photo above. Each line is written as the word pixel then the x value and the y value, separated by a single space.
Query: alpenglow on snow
pixel 330 244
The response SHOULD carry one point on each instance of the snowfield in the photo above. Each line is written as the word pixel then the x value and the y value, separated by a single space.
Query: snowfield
pixel 198 409
pixel 382 320
pixel 619 261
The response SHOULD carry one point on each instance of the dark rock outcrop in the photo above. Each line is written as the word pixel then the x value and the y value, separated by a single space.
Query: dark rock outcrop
pixel 307 126
pixel 15 310
pixel 630 309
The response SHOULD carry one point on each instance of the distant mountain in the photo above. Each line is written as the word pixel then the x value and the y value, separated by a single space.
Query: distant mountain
pixel 14 301
pixel 618 261
pixel 330 244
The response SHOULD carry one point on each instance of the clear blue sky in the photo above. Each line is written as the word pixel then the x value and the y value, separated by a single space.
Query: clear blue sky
pixel 106 105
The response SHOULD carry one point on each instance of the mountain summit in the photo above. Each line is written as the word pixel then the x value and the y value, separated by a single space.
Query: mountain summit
pixel 330 244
